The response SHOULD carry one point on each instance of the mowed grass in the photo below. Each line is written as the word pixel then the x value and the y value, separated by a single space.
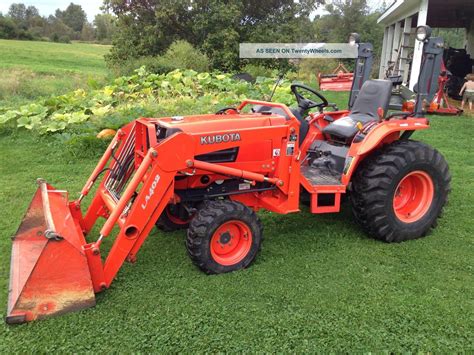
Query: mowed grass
pixel 319 284
pixel 50 57
pixel 31 69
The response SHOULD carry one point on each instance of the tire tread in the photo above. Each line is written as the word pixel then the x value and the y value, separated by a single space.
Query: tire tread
pixel 375 175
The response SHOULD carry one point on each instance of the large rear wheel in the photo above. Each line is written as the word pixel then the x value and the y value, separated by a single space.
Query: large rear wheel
pixel 399 192
pixel 223 236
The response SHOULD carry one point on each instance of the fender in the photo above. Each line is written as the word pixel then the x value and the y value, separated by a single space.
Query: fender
pixel 384 133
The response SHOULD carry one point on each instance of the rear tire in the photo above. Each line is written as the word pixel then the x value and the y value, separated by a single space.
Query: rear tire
pixel 399 192
pixel 170 219
pixel 224 236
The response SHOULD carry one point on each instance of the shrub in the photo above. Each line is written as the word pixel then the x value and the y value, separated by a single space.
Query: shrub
pixel 184 56
pixel 309 68
pixel 60 39
pixel 153 64
pixel 258 70
pixel 25 35
pixel 64 39
pixel 180 55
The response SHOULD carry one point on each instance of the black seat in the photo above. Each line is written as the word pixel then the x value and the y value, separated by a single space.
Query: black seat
pixel 372 95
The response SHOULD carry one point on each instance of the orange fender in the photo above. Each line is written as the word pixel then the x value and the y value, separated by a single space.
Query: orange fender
pixel 384 133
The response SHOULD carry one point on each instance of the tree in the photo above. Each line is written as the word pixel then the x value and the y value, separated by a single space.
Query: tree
pixel 8 28
pixel 57 28
pixel 74 17
pixel 104 26
pixel 148 27
pixel 33 19
pixel 17 11
pixel 345 17
pixel 87 33
pixel 453 37
pixel 25 22
pixel 31 12
pixel 216 30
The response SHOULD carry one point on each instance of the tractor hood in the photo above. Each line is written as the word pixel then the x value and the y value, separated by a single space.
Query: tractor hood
pixel 218 123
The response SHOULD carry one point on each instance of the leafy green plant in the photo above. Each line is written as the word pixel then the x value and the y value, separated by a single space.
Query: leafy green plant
pixel 140 94
pixel 259 70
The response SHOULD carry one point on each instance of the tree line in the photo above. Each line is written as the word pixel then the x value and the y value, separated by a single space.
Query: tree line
pixel 204 31
pixel 25 23
pixel 147 28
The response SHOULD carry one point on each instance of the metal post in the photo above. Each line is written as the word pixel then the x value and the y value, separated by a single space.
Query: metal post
pixel 397 32
pixel 362 70
pixel 388 53
pixel 429 73
pixel 382 55
pixel 418 51
pixel 405 49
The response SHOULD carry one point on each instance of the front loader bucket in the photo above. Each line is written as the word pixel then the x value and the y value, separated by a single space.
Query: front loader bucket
pixel 49 273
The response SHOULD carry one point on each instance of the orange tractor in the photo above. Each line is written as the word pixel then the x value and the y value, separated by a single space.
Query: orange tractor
pixel 210 174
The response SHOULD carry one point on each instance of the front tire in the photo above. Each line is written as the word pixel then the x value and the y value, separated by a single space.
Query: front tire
pixel 224 236
pixel 399 192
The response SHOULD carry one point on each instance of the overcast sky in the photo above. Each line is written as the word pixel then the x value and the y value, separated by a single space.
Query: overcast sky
pixel 48 7
pixel 92 7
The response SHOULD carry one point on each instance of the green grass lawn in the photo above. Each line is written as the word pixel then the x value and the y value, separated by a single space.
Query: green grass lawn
pixel 319 283
pixel 31 69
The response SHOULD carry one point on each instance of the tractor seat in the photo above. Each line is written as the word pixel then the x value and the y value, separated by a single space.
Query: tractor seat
pixel 373 95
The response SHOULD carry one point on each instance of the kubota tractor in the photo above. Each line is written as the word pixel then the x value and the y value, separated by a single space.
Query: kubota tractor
pixel 211 173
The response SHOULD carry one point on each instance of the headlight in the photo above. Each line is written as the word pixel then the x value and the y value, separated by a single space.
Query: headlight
pixel 354 38
pixel 423 33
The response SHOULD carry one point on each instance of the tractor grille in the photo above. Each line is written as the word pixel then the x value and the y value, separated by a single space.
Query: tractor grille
pixel 122 168
pixel 220 156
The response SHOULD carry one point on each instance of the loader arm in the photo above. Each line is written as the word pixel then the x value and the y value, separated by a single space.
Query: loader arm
pixel 143 200
pixel 154 183
pixel 54 269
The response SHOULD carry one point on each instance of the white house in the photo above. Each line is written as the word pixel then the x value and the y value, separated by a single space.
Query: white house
pixel 400 21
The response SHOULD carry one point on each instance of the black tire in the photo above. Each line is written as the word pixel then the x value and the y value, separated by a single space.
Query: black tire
pixel 375 186
pixel 167 223
pixel 208 219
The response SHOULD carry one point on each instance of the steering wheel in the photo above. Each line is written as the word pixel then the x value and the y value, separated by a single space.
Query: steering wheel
pixel 224 110
pixel 305 104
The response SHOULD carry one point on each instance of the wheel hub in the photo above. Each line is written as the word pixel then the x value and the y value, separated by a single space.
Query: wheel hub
pixel 413 196
pixel 225 237
pixel 231 242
